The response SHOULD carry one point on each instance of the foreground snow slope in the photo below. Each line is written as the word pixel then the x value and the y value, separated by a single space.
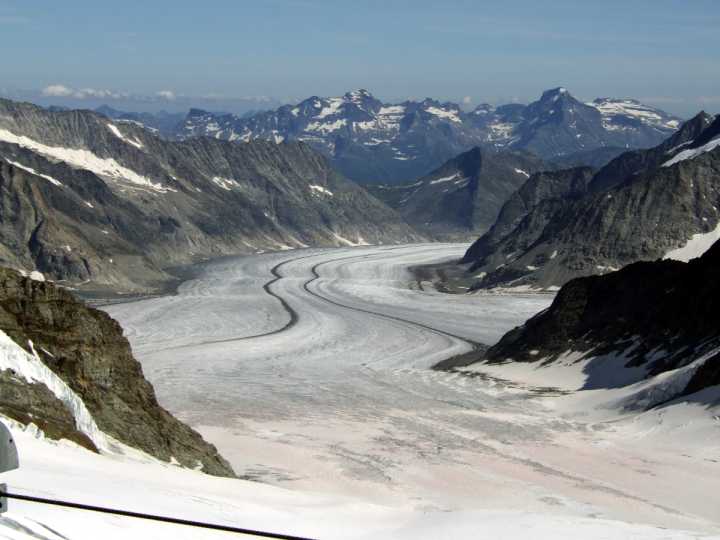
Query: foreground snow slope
pixel 66 471
pixel 308 370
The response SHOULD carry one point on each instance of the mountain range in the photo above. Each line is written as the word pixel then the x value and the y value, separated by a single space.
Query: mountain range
pixel 643 205
pixel 374 142
pixel 103 203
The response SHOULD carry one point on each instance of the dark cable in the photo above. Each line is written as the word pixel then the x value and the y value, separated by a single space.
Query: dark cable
pixel 164 519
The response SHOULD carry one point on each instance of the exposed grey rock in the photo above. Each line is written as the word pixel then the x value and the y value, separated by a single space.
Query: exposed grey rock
pixel 564 184
pixel 131 204
pixel 34 403
pixel 650 208
pixel 658 315
pixel 87 349
pixel 462 197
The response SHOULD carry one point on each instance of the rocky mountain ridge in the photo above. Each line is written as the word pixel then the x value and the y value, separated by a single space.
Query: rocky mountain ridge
pixel 374 142
pixel 106 204
pixel 643 205
pixel 462 197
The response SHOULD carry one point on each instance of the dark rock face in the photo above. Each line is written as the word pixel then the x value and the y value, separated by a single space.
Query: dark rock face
pixel 376 143
pixel 461 198
pixel 547 185
pixel 86 348
pixel 641 206
pixel 629 164
pixel 83 198
pixel 34 403
pixel 646 307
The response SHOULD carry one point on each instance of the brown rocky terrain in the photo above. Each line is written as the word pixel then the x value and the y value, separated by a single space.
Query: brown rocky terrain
pixel 86 349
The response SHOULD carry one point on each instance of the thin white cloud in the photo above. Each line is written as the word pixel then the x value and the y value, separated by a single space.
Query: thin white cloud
pixel 166 94
pixel 61 90
pixel 57 90
pixel 467 100
pixel 95 93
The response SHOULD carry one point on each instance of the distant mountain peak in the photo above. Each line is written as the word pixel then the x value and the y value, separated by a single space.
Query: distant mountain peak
pixel 553 94
pixel 371 141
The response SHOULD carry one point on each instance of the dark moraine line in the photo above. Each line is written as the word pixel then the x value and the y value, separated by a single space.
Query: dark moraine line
pixel 293 315
pixel 477 347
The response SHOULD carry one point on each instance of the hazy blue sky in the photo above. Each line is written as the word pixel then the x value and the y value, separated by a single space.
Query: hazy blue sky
pixel 662 51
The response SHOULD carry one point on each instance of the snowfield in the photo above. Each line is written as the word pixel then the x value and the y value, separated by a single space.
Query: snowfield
pixel 309 370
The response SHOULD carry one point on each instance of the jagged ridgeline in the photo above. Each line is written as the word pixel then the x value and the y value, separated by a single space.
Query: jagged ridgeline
pixel 393 143
pixel 86 349
pixel 463 196
pixel 106 203
pixel 643 205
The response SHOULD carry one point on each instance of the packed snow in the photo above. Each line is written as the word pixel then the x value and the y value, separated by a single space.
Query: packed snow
pixel 445 179
pixel 696 246
pixel 350 433
pixel 333 107
pixel 321 189
pixel 692 153
pixel 444 114
pixel 115 131
pixel 226 183
pixel 326 127
pixel 84 159
pixel 339 401
pixel 131 481
pixel 33 171
pixel 30 368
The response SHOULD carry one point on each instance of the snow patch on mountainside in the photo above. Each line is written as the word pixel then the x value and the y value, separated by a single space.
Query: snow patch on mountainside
pixel 326 127
pixel 320 189
pixel 695 247
pixel 33 171
pixel 84 159
pixel 692 153
pixel 115 131
pixel 442 113
pixel 445 179
pixel 360 241
pixel 30 367
pixel 225 183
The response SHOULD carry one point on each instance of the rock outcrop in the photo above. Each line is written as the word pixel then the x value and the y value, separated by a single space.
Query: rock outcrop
pixel 655 316
pixel 87 350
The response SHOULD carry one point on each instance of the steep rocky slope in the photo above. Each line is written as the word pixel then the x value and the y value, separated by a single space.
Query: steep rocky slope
pixel 87 350
pixel 563 184
pixel 109 204
pixel 463 196
pixel 375 142
pixel 641 206
pixel 646 319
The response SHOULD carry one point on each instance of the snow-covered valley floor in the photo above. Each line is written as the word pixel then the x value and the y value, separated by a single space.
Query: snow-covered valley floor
pixel 309 370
